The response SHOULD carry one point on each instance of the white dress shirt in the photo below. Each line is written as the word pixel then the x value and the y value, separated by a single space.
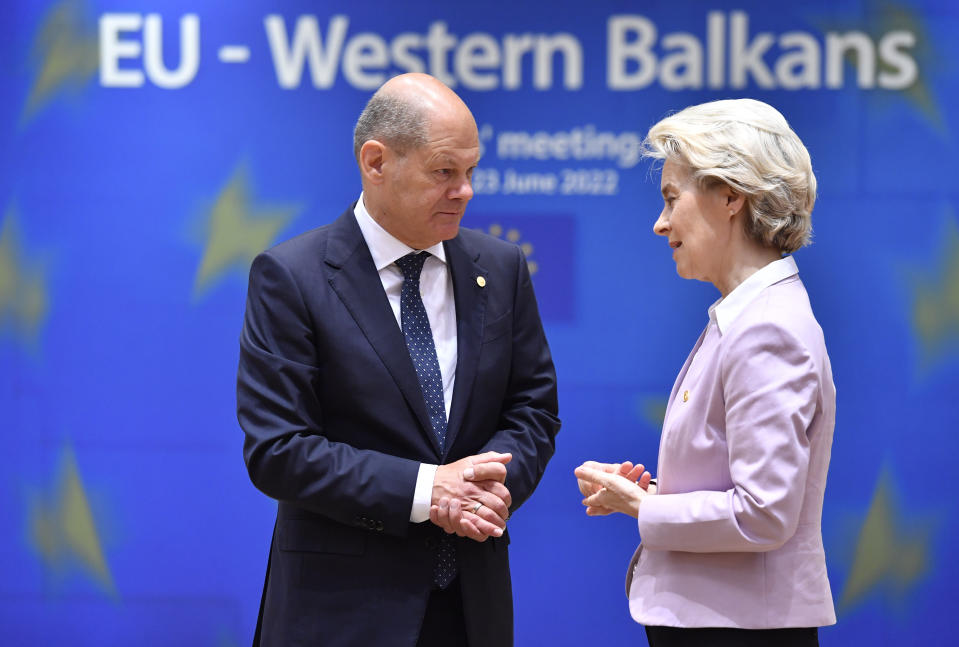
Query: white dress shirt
pixel 724 311
pixel 436 290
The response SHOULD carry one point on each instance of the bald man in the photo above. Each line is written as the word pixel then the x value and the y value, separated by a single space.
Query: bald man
pixel 398 397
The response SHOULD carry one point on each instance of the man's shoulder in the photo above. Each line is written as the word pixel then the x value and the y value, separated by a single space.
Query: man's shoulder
pixel 308 241
pixel 310 244
pixel 482 243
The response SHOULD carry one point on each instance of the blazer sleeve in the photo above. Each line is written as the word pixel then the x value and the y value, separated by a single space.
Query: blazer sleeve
pixel 529 417
pixel 771 390
pixel 287 455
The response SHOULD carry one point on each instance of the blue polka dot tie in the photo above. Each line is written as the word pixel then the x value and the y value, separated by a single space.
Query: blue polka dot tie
pixel 419 341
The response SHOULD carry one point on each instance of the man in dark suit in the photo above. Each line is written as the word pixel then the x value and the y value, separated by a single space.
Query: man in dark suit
pixel 399 405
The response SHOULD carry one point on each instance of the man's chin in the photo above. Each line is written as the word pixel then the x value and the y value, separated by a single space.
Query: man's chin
pixel 450 233
pixel 449 229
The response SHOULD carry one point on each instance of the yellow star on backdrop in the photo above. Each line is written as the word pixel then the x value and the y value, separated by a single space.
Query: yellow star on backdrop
pixel 62 528
pixel 24 300
pixel 935 301
pixel 892 552
pixel 893 17
pixel 880 17
pixel 514 236
pixel 64 55
pixel 237 230
pixel 651 409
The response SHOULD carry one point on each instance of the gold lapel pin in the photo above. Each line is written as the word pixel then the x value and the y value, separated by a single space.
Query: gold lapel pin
pixel 481 281
pixel 685 396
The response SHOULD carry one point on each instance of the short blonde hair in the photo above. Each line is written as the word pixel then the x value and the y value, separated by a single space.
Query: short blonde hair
pixel 749 146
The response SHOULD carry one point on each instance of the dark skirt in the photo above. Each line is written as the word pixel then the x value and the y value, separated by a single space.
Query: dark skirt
pixel 726 637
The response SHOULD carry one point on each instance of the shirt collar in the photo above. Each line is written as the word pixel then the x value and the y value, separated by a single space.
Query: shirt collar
pixel 725 311
pixel 384 247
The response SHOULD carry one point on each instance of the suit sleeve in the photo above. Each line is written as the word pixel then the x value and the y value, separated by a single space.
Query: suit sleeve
pixel 528 421
pixel 771 389
pixel 287 455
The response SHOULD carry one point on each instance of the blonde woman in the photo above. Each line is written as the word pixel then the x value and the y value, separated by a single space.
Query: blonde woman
pixel 731 550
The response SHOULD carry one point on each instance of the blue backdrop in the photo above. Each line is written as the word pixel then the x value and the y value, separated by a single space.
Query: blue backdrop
pixel 149 149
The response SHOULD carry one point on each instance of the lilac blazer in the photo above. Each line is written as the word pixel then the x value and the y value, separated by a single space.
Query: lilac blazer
pixel 733 538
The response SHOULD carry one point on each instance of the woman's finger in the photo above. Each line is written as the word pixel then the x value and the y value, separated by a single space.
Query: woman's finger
pixel 592 475
pixel 598 511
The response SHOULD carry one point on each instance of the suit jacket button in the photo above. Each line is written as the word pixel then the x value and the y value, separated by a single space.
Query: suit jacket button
pixel 379 526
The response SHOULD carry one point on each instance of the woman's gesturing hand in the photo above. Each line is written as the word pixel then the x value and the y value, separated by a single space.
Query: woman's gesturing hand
pixel 612 487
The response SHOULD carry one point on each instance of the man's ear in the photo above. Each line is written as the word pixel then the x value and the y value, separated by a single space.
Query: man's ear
pixel 372 156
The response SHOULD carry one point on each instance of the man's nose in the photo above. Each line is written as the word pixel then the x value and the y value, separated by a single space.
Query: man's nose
pixel 462 190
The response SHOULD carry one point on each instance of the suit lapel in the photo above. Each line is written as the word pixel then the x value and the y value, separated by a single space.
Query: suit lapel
pixel 358 286
pixel 470 300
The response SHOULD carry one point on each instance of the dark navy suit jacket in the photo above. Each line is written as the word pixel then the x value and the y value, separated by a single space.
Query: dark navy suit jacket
pixel 336 427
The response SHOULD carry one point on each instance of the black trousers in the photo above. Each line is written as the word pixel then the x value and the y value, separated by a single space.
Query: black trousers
pixel 725 637
pixel 444 624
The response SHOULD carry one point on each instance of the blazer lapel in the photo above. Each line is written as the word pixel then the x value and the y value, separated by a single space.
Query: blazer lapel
pixel 669 407
pixel 682 374
pixel 358 286
pixel 470 299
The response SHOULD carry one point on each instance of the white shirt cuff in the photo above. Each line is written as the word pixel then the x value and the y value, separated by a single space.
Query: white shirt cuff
pixel 423 493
